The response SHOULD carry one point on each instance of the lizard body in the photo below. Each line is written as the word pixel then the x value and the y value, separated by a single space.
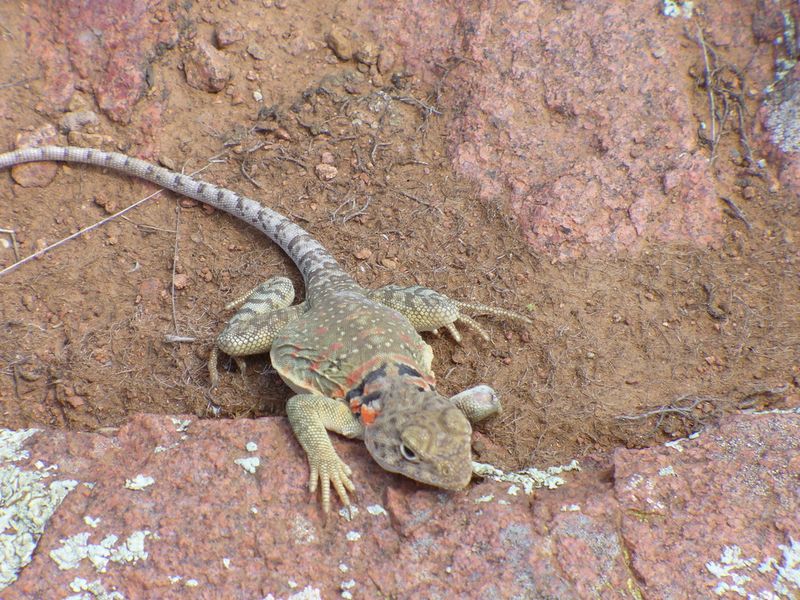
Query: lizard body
pixel 353 356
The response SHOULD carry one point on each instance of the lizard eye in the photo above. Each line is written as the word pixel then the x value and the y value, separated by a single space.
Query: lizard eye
pixel 408 453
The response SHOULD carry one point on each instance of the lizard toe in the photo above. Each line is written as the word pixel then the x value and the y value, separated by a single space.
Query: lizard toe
pixel 471 323
pixel 453 332
pixel 329 474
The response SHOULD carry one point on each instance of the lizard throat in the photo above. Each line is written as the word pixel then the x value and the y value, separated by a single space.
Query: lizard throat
pixel 365 398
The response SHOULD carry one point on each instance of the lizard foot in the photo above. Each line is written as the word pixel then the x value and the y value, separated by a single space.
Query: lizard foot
pixel 428 310
pixel 327 472
pixel 311 417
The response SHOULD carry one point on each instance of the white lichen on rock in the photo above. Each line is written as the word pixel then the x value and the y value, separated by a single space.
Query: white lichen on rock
pixel 26 504
pixel 249 464
pixel 736 574
pixel 787 578
pixel 77 548
pixel 91 522
pixel 727 571
pixel 376 510
pixel 181 425
pixel 307 593
pixel 139 482
pixel 91 590
pixel 349 512
pixel 11 444
pixel 677 8
pixel 530 478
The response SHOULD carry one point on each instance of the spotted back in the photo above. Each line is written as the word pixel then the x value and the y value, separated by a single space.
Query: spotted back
pixel 339 339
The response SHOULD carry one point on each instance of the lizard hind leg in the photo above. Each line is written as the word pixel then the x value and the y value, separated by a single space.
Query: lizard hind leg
pixel 263 312
pixel 428 310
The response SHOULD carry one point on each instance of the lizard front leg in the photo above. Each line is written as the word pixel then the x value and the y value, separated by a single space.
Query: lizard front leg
pixel 477 403
pixel 311 417
pixel 428 310
pixel 263 312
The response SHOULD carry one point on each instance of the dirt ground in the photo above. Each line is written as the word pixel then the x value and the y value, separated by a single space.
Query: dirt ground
pixel 624 350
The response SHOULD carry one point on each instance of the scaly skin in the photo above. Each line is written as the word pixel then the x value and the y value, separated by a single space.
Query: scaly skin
pixel 353 357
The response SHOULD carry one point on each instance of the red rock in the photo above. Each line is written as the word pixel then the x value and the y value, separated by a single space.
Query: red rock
pixel 228 33
pixel 781 128
pixel 206 68
pixel 720 510
pixel 194 513
pixel 566 117
pixel 386 61
pixel 107 45
pixel 326 172
pixel 74 401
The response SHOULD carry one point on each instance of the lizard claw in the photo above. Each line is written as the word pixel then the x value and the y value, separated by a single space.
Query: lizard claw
pixel 331 472
pixel 469 323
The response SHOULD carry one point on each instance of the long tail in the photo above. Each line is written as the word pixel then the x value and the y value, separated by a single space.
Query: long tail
pixel 319 269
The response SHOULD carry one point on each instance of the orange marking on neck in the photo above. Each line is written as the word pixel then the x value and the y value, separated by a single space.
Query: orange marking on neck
pixel 368 414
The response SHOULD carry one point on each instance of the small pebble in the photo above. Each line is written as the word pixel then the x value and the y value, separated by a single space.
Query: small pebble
pixel 228 33
pixel 181 281
pixel 74 401
pixel 385 61
pixel 367 54
pixel 339 42
pixel 326 172
pixel 256 51
pixel 27 301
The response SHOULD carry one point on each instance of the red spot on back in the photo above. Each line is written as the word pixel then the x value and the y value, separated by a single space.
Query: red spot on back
pixel 321 330
pixel 336 346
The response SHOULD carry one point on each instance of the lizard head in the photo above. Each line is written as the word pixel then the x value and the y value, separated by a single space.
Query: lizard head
pixel 422 435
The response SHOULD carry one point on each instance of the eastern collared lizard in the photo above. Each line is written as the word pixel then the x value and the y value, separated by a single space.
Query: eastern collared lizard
pixel 353 356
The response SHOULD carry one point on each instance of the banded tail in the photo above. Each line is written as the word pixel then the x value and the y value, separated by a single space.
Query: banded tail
pixel 320 270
